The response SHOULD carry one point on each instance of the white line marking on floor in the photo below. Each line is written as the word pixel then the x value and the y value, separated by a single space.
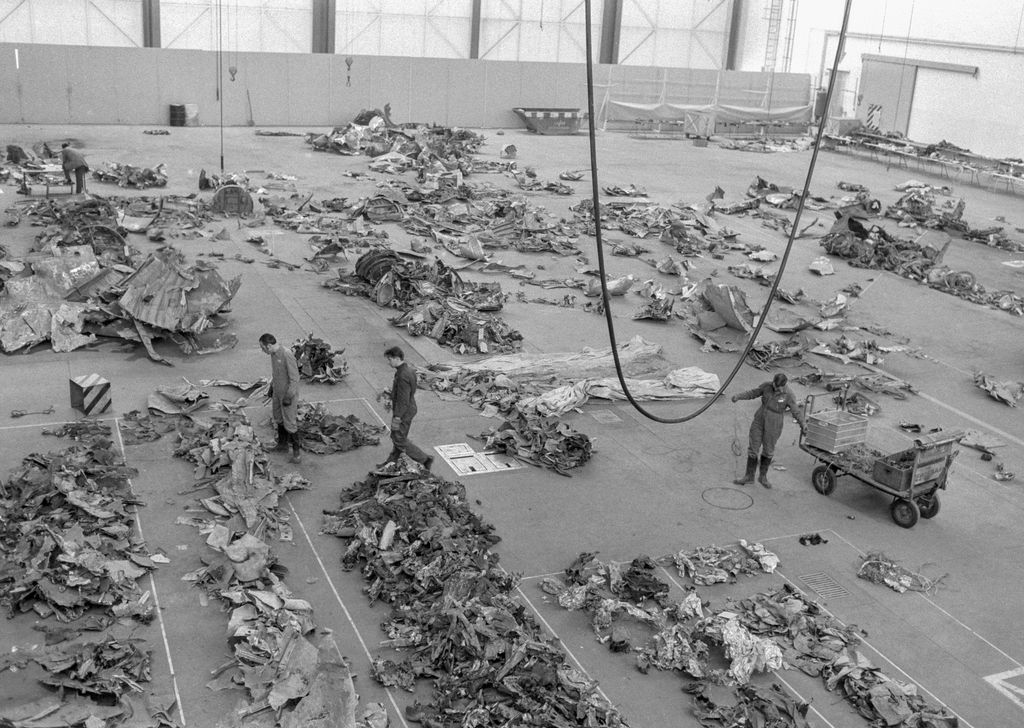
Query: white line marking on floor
pixel 152 584
pixel 341 603
pixel 58 424
pixel 541 576
pixel 881 654
pixel 967 627
pixel 554 634
pixel 1013 692
pixel 774 674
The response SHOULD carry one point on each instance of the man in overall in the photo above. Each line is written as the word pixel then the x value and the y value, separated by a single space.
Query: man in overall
pixel 766 427
pixel 73 161
pixel 284 395
pixel 403 409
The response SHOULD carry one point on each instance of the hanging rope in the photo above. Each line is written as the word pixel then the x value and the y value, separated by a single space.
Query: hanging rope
pixel 595 191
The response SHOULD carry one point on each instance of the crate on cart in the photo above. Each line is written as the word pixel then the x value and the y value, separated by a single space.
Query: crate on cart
pixel 926 461
pixel 835 430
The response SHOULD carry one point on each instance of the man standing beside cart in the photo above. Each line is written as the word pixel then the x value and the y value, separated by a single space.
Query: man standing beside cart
pixel 766 427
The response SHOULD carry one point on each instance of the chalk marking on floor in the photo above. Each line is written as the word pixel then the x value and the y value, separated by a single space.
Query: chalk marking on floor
pixel 341 603
pixel 152 584
pixel 775 674
pixel 554 634
pixel 967 627
pixel 1013 692
pixel 881 654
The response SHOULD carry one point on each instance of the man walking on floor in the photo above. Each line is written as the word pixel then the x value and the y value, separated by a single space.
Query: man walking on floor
pixel 766 427
pixel 73 161
pixel 284 395
pixel 403 409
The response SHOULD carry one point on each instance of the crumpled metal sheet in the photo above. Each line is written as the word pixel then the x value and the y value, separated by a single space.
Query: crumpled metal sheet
pixel 1006 392
pixel 127 175
pixel 453 614
pixel 168 293
pixel 755 706
pixel 540 440
pixel 315 359
pixel 275 662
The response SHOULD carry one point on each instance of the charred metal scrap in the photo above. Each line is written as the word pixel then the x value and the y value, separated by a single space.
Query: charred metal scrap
pixel 229 458
pixel 916 260
pixel 315 358
pixel 540 440
pixel 453 615
pixel 434 301
pixel 66 535
pixel 127 175
pixel 322 432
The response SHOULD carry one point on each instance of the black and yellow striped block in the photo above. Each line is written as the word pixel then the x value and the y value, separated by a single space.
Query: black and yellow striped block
pixel 90 394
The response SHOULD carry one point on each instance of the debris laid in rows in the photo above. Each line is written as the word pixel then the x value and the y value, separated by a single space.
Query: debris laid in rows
pixel 70 552
pixel 322 432
pixel 315 360
pixel 453 616
pixel 878 568
pixel 288 680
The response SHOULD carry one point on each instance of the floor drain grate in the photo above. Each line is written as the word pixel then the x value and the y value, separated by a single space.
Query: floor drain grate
pixel 825 586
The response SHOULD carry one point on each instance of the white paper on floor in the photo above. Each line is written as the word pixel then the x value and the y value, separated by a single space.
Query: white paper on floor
pixel 465 461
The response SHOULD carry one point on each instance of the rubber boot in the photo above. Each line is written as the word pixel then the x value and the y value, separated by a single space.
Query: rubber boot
pixel 281 444
pixel 763 478
pixel 296 448
pixel 749 477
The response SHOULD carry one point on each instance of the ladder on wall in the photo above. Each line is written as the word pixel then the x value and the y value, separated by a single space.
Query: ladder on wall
pixel 773 10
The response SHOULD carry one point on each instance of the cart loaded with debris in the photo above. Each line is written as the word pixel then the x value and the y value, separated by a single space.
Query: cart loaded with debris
pixel 913 477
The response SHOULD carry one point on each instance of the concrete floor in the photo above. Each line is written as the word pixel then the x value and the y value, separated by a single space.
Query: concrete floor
pixel 651 489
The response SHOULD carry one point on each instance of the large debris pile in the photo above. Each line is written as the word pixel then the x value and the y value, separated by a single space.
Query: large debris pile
pixel 70 552
pixel 453 612
pixel 85 282
pixel 288 681
pixel 67 510
pixel 434 302
pixel 543 440
pixel 631 610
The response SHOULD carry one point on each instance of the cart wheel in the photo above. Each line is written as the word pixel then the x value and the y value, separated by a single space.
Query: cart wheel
pixel 905 512
pixel 823 478
pixel 929 506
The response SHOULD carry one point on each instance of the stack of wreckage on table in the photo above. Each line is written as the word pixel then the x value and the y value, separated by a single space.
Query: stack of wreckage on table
pixel 84 280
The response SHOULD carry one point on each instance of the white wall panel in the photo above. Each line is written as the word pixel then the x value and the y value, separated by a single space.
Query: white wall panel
pixel 538 30
pixel 671 33
pixel 268 26
pixel 72 22
pixel 429 29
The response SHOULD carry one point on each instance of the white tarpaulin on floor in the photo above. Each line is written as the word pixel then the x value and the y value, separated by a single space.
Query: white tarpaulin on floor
pixel 685 383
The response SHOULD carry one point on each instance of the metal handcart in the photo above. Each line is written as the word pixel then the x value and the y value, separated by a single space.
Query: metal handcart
pixel 913 477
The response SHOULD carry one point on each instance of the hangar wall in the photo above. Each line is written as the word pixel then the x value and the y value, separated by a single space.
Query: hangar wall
pixel 64 84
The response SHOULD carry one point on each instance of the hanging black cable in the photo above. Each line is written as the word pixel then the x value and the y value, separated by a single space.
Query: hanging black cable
pixel 595 191
pixel 220 77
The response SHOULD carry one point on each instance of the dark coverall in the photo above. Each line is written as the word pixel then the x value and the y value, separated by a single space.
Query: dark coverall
pixel 403 409
pixel 285 385
pixel 73 161
pixel 766 426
